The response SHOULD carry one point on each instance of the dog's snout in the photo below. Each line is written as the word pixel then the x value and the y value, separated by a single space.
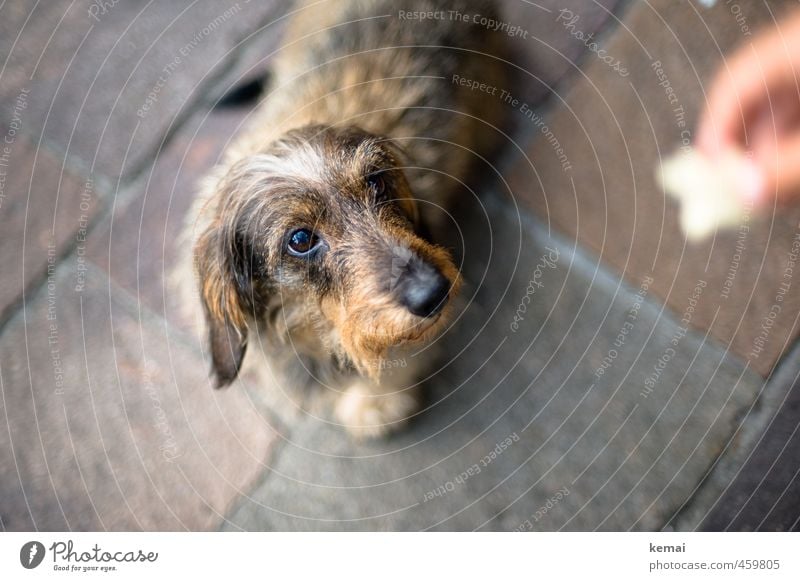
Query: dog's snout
pixel 423 289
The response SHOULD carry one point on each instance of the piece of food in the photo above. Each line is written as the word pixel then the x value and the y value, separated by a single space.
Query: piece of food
pixel 711 193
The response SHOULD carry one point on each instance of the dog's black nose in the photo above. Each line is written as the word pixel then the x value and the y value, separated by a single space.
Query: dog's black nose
pixel 423 290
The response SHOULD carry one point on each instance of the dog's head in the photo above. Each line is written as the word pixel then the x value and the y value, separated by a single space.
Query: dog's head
pixel 321 232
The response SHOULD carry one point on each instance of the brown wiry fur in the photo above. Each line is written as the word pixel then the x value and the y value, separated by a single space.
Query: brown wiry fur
pixel 358 92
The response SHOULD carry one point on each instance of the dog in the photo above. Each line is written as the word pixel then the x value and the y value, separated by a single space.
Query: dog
pixel 313 237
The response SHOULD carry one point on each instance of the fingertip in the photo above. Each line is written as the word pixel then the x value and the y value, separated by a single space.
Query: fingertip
pixel 752 180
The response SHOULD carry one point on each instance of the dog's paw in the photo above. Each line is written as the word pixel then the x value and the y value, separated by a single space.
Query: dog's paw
pixel 367 413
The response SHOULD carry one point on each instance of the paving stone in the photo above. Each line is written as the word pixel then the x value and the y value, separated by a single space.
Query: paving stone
pixel 601 190
pixel 138 246
pixel 90 72
pixel 44 210
pixel 111 421
pixel 611 425
pixel 764 495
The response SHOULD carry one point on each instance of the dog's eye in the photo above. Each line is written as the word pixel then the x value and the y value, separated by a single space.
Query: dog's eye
pixel 302 241
pixel 377 186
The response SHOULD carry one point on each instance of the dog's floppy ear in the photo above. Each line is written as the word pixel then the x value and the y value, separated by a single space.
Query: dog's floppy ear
pixel 226 292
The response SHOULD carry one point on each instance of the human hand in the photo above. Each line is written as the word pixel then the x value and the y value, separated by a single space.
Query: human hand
pixel 753 109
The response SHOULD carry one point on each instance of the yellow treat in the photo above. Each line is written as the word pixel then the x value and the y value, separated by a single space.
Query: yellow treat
pixel 710 193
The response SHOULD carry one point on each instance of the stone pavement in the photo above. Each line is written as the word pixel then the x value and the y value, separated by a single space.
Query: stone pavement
pixel 588 405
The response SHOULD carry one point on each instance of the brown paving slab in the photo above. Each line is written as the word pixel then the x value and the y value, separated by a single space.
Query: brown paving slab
pixel 139 245
pixel 109 421
pixel 90 75
pixel 44 210
pixel 591 173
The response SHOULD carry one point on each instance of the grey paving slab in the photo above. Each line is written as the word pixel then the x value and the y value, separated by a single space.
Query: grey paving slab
pixel 106 84
pixel 765 493
pixel 597 410
pixel 754 486
pixel 109 422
